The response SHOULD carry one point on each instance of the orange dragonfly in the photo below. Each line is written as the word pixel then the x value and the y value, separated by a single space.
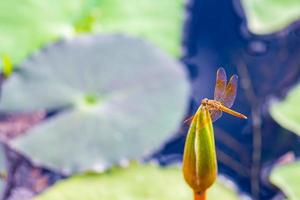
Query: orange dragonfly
pixel 224 97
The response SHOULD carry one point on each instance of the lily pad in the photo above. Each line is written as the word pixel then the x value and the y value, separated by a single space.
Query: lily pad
pixel 268 16
pixel 120 97
pixel 287 112
pixel 26 26
pixel 145 19
pixel 287 178
pixel 134 183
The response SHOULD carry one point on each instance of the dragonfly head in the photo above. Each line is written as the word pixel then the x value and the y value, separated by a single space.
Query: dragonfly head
pixel 204 101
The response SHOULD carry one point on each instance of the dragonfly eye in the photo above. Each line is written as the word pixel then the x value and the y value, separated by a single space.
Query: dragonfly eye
pixel 204 102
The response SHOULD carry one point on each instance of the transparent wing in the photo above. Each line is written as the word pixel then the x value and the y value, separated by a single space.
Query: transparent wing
pixel 188 120
pixel 230 92
pixel 215 114
pixel 221 81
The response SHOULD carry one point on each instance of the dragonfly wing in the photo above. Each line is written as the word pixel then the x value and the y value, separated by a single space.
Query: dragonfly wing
pixel 230 92
pixel 189 120
pixel 221 81
pixel 215 114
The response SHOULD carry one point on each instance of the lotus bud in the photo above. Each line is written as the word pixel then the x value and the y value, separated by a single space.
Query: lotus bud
pixel 199 159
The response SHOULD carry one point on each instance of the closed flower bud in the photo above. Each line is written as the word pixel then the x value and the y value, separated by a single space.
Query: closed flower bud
pixel 199 159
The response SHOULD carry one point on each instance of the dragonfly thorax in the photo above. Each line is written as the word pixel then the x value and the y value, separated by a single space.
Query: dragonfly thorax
pixel 211 104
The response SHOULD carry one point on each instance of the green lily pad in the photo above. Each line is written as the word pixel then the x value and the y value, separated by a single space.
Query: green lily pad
pixel 268 16
pixel 145 19
pixel 26 26
pixel 134 183
pixel 122 97
pixel 287 178
pixel 287 112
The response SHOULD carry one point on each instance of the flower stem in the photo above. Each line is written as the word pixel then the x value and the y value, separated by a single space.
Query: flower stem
pixel 198 196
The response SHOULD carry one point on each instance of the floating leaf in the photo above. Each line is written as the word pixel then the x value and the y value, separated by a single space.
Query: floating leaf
pixel 287 112
pixel 145 19
pixel 287 177
pixel 121 97
pixel 268 16
pixel 134 183
pixel 26 26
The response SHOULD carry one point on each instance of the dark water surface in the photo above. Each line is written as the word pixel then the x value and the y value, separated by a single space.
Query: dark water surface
pixel 215 35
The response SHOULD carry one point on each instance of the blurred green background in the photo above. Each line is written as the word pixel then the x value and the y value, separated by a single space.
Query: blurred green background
pixel 100 89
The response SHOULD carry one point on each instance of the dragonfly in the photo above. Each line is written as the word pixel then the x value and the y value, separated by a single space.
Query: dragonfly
pixel 224 97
